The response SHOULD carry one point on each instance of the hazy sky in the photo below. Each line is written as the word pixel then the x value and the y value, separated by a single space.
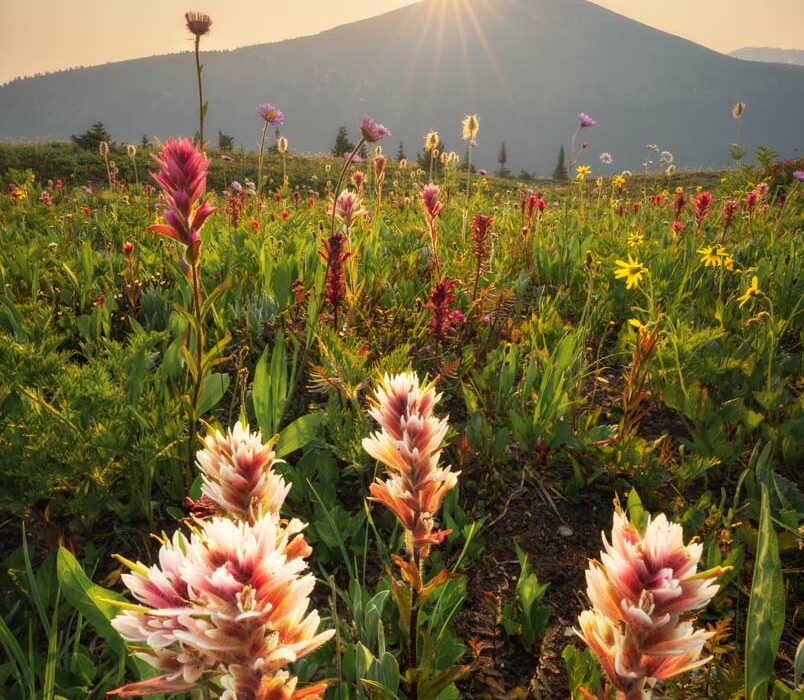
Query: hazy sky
pixel 46 35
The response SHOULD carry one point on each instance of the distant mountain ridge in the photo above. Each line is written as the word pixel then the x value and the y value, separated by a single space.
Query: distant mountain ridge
pixel 527 67
pixel 767 54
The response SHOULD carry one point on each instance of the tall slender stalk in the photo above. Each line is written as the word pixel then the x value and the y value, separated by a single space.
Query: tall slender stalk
pixel 199 360
pixel 468 169
pixel 260 161
pixel 201 109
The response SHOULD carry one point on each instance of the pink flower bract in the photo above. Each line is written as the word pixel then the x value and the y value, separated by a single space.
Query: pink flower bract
pixel 409 445
pixel 183 178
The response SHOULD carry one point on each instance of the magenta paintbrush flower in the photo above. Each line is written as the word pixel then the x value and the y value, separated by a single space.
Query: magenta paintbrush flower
pixel 373 132
pixel 429 197
pixel 271 114
pixel 183 178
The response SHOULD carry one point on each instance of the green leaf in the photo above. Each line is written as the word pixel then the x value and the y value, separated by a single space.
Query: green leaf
pixel 92 601
pixel 299 433
pixel 636 512
pixel 270 390
pixel 212 391
pixel 765 619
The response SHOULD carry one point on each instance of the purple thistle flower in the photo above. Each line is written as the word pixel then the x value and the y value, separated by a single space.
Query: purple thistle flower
pixel 799 175
pixel 585 120
pixel 271 114
pixel 373 132
pixel 482 172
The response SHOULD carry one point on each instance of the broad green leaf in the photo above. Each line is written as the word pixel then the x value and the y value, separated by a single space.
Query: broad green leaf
pixel 765 619
pixel 212 391
pixel 299 433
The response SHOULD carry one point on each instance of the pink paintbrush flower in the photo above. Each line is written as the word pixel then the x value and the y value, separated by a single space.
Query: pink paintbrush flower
pixel 643 590
pixel 233 595
pixel 347 207
pixel 409 445
pixel 183 178
pixel 236 468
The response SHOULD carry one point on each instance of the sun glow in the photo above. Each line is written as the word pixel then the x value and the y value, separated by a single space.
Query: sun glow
pixel 456 20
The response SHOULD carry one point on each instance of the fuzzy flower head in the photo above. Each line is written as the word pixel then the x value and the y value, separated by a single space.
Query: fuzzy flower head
pixel 282 144
pixel 409 446
pixel 236 469
pixel 270 114
pixel 373 132
pixel 585 121
pixel 131 150
pixel 471 126
pixel 738 110
pixel 198 23
pixel 431 141
pixel 232 595
pixel 183 178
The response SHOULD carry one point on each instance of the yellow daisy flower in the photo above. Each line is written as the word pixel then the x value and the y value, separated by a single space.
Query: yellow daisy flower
pixel 751 292
pixel 632 271
pixel 582 171
pixel 635 238
pixel 709 256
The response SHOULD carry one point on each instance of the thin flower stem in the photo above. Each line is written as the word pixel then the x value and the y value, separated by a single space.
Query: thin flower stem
pixel 260 162
pixel 199 359
pixel 468 170
pixel 413 631
pixel 200 93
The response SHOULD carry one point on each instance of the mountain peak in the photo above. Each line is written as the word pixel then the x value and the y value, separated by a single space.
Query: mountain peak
pixel 526 66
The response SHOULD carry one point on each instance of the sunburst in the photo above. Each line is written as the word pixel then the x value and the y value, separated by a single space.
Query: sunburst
pixel 441 19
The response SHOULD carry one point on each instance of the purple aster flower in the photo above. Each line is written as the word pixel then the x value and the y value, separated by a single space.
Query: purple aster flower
pixel 236 186
pixel 87 189
pixel 483 172
pixel 373 132
pixel 227 159
pixel 271 114
pixel 606 158
pixel 585 120
pixel 355 159
pixel 799 175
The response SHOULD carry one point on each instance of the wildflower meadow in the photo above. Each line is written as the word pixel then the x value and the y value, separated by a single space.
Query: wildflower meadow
pixel 278 426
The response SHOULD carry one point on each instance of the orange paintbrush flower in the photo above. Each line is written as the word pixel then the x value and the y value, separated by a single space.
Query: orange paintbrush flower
pixel 409 445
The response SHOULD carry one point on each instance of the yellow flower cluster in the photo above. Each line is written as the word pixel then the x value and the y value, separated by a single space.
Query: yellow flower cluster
pixel 716 256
